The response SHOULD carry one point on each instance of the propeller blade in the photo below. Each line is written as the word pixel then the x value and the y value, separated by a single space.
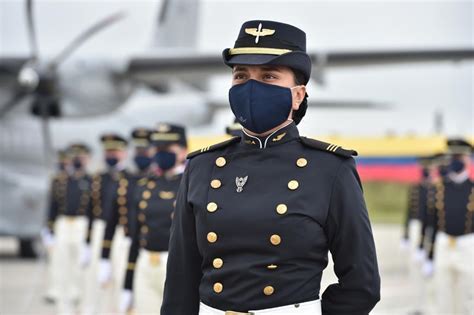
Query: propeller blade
pixel 12 102
pixel 47 140
pixel 31 30
pixel 163 11
pixel 81 38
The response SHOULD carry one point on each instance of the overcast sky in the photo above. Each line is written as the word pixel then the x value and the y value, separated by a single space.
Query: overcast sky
pixel 414 92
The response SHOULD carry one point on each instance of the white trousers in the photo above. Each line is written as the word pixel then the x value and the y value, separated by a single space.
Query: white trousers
pixel 53 272
pixel 418 284
pixel 91 291
pixel 149 282
pixel 70 234
pixel 119 258
pixel 454 274
pixel 306 308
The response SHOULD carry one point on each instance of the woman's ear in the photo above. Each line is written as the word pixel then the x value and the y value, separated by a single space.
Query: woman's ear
pixel 298 94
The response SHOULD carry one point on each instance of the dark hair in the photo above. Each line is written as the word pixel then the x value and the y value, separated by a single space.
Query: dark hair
pixel 300 79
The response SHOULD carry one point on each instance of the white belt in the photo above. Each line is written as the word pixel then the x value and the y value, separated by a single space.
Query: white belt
pixel 306 308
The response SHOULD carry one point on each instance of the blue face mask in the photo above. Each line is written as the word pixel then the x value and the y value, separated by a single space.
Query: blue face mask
pixel 457 166
pixel 77 164
pixel 443 170
pixel 165 160
pixel 260 107
pixel 111 161
pixel 425 173
pixel 142 162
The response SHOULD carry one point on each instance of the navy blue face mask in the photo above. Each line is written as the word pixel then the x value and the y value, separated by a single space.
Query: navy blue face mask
pixel 77 164
pixel 443 170
pixel 165 160
pixel 425 173
pixel 457 166
pixel 142 162
pixel 260 107
pixel 111 161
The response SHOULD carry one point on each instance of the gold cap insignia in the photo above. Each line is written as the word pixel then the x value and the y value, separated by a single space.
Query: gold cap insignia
pixel 164 128
pixel 259 32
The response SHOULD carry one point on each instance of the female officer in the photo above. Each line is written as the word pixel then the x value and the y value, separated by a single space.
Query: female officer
pixel 256 215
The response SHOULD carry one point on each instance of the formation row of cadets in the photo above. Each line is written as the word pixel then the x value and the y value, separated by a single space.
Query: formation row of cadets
pixel 439 230
pixel 107 234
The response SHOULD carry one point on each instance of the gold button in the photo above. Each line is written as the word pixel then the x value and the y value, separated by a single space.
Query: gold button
pixel 121 200
pixel 123 182
pixel 146 194
pixel 275 239
pixel 211 237
pixel 293 185
pixel 217 263
pixel 123 210
pixel 218 287
pixel 151 185
pixel 211 206
pixel 220 161
pixel 142 243
pixel 268 290
pixel 301 162
pixel 123 220
pixel 122 191
pixel 272 266
pixel 143 204
pixel 144 229
pixel 141 217
pixel 215 183
pixel 281 208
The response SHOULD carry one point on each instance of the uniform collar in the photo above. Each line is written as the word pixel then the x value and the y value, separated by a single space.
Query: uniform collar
pixel 459 178
pixel 285 134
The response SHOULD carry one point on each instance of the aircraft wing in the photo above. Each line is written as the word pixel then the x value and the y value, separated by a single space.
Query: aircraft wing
pixel 387 57
pixel 154 68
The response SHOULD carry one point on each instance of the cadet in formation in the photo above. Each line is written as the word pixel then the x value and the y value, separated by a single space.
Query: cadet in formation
pixel 68 219
pixel 56 190
pixel 452 252
pixel 121 219
pixel 105 187
pixel 257 215
pixel 154 204
pixel 415 228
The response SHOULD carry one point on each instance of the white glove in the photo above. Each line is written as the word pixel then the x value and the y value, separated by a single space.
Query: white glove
pixel 47 238
pixel 105 272
pixel 420 255
pixel 125 301
pixel 404 244
pixel 85 255
pixel 427 268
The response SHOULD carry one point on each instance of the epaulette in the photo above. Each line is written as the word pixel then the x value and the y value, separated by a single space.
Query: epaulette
pixel 214 147
pixel 324 146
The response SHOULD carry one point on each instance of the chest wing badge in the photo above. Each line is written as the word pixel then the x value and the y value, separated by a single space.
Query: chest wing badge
pixel 166 195
pixel 240 182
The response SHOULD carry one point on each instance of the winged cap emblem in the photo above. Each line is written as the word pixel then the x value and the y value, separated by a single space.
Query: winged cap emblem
pixel 257 32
